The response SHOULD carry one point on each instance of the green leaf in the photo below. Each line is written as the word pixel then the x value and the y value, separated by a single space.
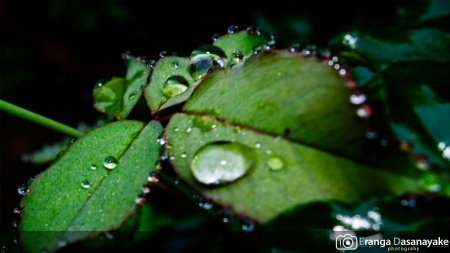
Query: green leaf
pixel 161 92
pixel 118 96
pixel 279 132
pixel 78 197
pixel 241 42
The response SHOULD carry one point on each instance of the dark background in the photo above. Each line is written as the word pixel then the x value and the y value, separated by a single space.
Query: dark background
pixel 52 54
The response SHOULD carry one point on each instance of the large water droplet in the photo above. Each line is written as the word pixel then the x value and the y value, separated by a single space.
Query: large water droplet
pixel 174 86
pixel 110 162
pixel 275 163
pixel 22 190
pixel 85 184
pixel 206 59
pixel 222 162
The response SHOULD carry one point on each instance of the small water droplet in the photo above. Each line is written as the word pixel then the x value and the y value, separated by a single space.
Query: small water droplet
pixel 85 184
pixel 101 83
pixel 430 182
pixel 237 56
pixel 232 29
pixel 384 143
pixel 29 181
pixel 62 244
pixel 215 36
pixel 294 47
pixel 93 167
pixel 357 98
pixel 258 31
pixel 126 55
pixel 162 54
pixel 206 59
pixel 183 155
pixel 15 239
pixel 151 63
pixel 158 166
pixel 110 162
pixel 371 134
pixel 132 96
pixel 275 163
pixel 335 59
pixel 268 151
pixel 441 146
pixel 330 63
pixel 22 190
pixel 206 205
pixel 251 29
pixel 269 44
pixel 15 223
pixel 364 111
pixel 153 177
pixel 3 249
pixel 140 200
pixel 247 225
pixel 161 141
pixel 323 54
pixel 337 66
pixel 174 86
pixel 258 145
pixel 225 215
pixel 17 210
pixel 175 64
pixel 209 168
pixel 422 162
pixel 309 49
pixel 146 190
pixel 188 130
pixel 257 49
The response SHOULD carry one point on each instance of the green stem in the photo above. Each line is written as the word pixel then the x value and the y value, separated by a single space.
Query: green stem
pixel 36 118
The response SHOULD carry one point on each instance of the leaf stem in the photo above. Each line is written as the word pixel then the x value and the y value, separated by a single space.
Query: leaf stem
pixel 39 119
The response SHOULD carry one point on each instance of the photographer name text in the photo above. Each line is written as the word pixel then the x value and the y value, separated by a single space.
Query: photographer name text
pixel 402 242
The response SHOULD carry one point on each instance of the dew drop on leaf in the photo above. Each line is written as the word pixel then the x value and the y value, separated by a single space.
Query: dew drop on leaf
pixel 206 59
pixel 22 190
pixel 247 225
pixel 140 200
pixel 275 163
pixel 15 223
pixel 85 184
pixel 174 86
pixel 357 98
pixel 93 167
pixel 364 111
pixel 132 96
pixel 232 29
pixel 175 64
pixel 222 162
pixel 110 162
pixel 17 210
pixel 215 36
pixel 294 47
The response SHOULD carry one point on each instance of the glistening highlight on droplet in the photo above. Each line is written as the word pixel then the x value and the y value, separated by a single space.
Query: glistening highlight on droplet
pixel 110 162
pixel 206 59
pixel 222 162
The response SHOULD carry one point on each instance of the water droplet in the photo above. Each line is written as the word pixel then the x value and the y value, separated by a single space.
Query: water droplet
pixel 237 56
pixel 188 130
pixel 247 225
pixel 151 63
pixel 132 96
pixel 430 182
pixel 446 153
pixel 335 59
pixel 30 180
pixel 176 129
pixel 153 177
pixel 215 36
pixel 258 145
pixel 232 29
pixel 101 83
pixel 294 47
pixel 422 162
pixel 364 111
pixel 269 44
pixel 441 146
pixel 309 49
pixel 405 146
pixel 62 244
pixel 323 54
pixel 85 184
pixel 162 54
pixel 17 210
pixel 371 134
pixel 140 200
pixel 22 190
pixel 161 141
pixel 206 59
pixel 183 155
pixel 15 239
pixel 357 98
pixel 15 223
pixel 158 166
pixel 206 205
pixel 3 249
pixel 257 49
pixel 251 30
pixel 126 55
pixel 93 167
pixel 258 31
pixel 174 86
pixel 208 165
pixel 225 214
pixel 384 143
pixel 275 163
pixel 337 66
pixel 175 64
pixel 110 162
pixel 146 190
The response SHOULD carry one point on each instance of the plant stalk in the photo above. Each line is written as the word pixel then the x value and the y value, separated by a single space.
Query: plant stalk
pixel 39 119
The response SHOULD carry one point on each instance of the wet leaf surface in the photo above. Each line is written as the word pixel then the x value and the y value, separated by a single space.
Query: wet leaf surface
pixel 266 137
pixel 91 188
pixel 118 96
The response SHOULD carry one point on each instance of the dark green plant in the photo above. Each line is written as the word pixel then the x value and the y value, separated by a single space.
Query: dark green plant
pixel 352 137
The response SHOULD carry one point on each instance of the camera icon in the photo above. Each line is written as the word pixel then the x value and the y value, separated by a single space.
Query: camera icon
pixel 346 242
